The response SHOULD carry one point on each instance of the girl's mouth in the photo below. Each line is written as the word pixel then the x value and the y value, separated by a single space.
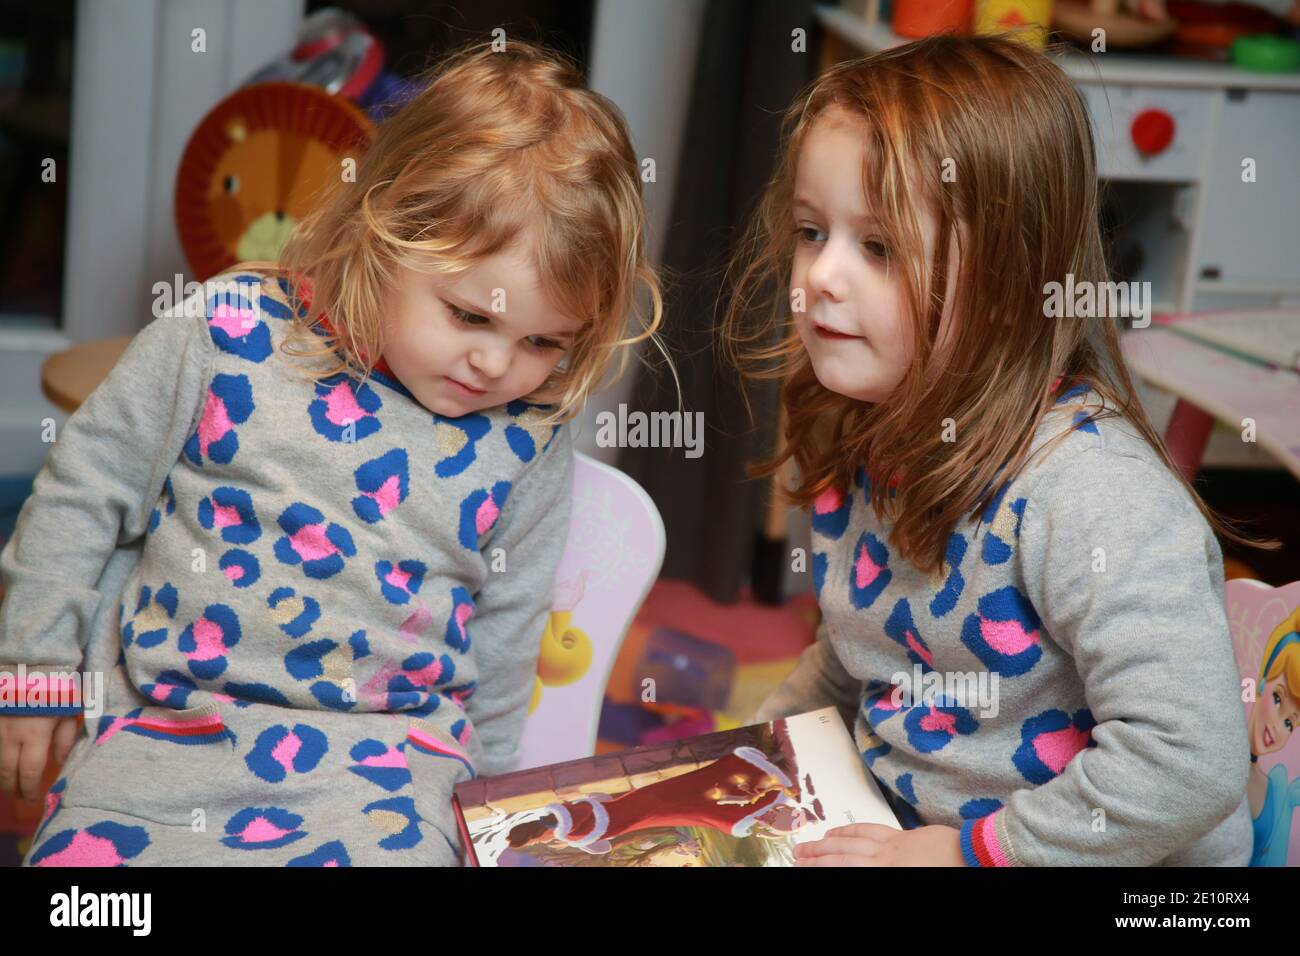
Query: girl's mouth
pixel 825 333
pixel 465 389
pixel 1268 737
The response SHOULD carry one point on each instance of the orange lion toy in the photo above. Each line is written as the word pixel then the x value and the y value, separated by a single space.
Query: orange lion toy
pixel 256 164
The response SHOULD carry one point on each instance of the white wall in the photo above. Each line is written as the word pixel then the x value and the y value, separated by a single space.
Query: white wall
pixel 643 58
pixel 139 90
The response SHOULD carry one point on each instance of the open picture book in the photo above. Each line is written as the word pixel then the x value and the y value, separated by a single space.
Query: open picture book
pixel 741 797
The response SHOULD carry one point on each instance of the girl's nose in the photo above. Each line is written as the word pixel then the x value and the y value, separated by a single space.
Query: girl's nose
pixel 826 277
pixel 490 361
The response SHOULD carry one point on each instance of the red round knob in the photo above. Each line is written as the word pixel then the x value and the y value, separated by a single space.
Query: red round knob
pixel 1152 131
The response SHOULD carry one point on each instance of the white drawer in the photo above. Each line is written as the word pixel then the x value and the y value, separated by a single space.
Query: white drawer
pixel 1122 112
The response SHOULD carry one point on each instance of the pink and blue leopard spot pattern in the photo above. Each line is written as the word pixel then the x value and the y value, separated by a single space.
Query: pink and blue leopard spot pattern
pixel 293 613
pixel 479 512
pixel 398 583
pixel 931 725
pixel 153 614
pixel 978 808
pixel 280 751
pixel 1051 740
pixel 908 818
pixel 262 828
pixel 240 567
pixel 1084 422
pixel 819 564
pixel 101 844
pixel 314 660
pixel 1003 518
pixel 53 801
pixel 290 296
pixel 830 513
pixel 462 609
pixel 230 512
pixel 236 328
pixel 900 627
pixel 1004 632
pixel 229 403
pixel 344 409
pixel 954 584
pixel 308 540
pixel 1073 392
pixel 384 483
pixel 307 661
pixel 397 818
pixel 872 754
pixel 166 506
pixel 206 642
pixel 456 440
pixel 382 765
pixel 410 687
pixel 171 689
pixel 521 440
pixel 246 694
pixel 327 854
pixel 422 741
pixel 882 703
pixel 870 572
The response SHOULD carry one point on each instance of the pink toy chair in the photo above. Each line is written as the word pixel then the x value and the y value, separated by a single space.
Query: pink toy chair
pixel 1264 622
pixel 611 559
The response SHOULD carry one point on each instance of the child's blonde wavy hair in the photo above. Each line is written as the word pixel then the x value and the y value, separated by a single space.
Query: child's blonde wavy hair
pixel 497 146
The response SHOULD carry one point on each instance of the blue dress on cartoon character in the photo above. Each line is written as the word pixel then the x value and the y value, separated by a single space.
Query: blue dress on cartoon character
pixel 1273 825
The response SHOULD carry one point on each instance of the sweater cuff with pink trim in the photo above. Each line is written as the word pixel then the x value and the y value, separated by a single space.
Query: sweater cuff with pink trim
pixel 984 842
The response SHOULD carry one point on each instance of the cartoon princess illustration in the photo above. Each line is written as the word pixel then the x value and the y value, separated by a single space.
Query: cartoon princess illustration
pixel 1274 799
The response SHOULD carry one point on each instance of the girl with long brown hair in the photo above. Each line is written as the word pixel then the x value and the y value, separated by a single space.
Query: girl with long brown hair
pixel 1021 597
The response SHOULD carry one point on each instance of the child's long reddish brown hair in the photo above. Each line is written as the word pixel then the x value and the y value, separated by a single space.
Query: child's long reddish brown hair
pixel 994 137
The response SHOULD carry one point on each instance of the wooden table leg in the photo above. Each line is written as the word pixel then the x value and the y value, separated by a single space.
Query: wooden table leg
pixel 1186 436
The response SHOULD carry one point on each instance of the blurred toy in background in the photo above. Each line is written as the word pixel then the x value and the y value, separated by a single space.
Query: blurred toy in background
pixel 262 157
pixel 565 652
pixel 1025 20
pixel 922 18
pixel 683 686
pixel 259 162
pixel 1122 29
pixel 337 53
pixel 686 670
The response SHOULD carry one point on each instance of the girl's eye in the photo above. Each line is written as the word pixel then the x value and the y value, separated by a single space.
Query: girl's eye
pixel 811 234
pixel 478 321
pixel 1288 725
pixel 468 318
pixel 1277 698
pixel 877 248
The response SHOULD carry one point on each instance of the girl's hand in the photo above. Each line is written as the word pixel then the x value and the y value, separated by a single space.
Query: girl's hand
pixel 24 748
pixel 874 844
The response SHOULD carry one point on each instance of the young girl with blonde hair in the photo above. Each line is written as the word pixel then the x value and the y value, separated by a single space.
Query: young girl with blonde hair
pixel 323 508
pixel 1021 597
